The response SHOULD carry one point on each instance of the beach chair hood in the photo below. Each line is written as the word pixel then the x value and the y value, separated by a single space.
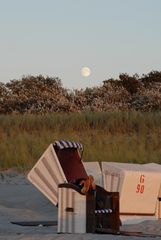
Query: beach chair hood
pixel 60 163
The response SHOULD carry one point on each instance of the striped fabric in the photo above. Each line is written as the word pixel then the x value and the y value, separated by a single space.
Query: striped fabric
pixel 61 144
pixel 103 211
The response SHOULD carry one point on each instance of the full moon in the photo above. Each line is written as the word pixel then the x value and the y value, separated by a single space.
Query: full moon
pixel 85 71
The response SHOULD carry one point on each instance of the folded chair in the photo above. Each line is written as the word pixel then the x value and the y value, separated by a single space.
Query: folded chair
pixel 58 174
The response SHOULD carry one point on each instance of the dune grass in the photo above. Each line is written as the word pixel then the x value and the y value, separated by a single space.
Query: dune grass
pixel 111 136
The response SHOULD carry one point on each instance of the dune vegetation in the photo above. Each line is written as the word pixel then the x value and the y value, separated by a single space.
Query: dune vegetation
pixel 118 121
pixel 122 136
pixel 39 95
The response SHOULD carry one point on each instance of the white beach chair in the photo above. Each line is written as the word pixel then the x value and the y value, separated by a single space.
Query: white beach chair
pixel 138 187
pixel 57 174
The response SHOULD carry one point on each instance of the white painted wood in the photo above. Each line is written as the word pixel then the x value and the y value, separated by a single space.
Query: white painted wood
pixel 71 222
pixel 157 168
pixel 47 174
pixel 138 186
pixel 93 168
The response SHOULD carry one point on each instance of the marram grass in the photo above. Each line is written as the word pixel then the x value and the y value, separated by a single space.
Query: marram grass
pixel 112 136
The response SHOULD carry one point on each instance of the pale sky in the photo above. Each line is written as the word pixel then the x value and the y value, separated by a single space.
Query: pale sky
pixel 59 37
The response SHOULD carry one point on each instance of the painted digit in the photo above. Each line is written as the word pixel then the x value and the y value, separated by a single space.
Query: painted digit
pixel 142 178
pixel 142 189
pixel 138 188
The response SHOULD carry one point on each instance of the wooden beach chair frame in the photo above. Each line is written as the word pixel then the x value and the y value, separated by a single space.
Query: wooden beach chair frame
pixel 56 175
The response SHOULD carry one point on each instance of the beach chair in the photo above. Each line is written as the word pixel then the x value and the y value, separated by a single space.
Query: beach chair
pixel 58 174
pixel 138 186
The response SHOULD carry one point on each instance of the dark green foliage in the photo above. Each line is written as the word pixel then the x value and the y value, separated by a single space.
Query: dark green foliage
pixel 152 77
pixel 131 84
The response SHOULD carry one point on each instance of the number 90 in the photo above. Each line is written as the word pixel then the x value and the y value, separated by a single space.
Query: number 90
pixel 140 188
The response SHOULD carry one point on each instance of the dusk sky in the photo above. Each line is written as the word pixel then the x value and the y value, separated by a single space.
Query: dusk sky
pixel 59 37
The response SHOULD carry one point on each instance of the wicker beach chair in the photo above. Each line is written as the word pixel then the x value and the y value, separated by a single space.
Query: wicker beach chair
pixel 58 174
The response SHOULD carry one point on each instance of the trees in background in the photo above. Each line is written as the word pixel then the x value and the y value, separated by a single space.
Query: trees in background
pixel 39 94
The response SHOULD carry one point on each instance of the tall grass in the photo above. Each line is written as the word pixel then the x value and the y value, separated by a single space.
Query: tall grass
pixel 116 136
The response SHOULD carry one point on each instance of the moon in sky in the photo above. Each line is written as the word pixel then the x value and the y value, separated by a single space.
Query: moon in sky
pixel 85 71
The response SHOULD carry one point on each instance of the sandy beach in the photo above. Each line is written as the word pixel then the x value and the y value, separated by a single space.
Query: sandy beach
pixel 20 201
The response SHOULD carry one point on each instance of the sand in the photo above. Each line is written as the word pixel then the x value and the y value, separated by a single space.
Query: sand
pixel 20 201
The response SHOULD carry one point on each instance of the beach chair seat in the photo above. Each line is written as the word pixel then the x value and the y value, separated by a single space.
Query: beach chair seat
pixel 57 174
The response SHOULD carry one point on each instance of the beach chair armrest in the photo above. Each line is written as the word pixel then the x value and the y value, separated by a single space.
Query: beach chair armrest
pixel 71 186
